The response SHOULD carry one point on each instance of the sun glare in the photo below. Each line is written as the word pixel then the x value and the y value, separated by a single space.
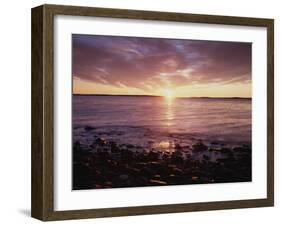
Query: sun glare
pixel 168 93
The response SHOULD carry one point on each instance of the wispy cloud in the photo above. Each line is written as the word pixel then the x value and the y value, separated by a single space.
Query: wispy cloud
pixel 146 63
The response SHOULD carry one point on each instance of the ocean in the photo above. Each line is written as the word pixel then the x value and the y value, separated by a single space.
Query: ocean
pixel 160 122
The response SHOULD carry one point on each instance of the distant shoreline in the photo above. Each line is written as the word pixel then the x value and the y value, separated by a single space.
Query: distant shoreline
pixel 125 95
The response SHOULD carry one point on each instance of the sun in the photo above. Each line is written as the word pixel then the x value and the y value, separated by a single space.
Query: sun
pixel 168 93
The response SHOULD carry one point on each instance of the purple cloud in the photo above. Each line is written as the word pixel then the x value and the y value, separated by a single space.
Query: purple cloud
pixel 147 63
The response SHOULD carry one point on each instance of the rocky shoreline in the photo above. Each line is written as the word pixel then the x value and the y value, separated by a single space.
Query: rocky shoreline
pixel 106 164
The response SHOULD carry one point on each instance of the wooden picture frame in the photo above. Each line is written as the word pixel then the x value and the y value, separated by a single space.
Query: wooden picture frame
pixel 43 112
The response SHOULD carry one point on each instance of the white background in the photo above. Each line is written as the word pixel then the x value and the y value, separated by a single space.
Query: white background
pixel 66 199
pixel 15 112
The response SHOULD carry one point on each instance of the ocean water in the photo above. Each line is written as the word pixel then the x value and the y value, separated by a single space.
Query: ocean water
pixel 159 122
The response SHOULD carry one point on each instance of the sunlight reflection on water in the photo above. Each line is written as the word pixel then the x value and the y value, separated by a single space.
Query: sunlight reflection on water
pixel 139 119
pixel 169 111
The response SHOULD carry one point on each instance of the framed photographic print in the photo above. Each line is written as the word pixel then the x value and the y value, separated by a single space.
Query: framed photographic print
pixel 141 112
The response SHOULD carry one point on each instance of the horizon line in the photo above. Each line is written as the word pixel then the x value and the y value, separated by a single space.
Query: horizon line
pixel 146 95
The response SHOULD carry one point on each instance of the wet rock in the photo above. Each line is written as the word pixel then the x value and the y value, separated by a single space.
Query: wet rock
pixel 171 175
pixel 103 155
pixel 165 156
pixel 77 146
pixel 98 186
pixel 225 150
pixel 241 149
pixel 155 166
pixel 206 157
pixel 141 181
pixel 175 179
pixel 177 157
pixel 194 178
pixel 188 156
pixel 146 172
pixel 153 156
pixel 171 166
pixel 215 143
pixel 127 155
pixel 124 177
pixel 141 164
pixel 246 146
pixel 135 171
pixel 106 149
pixel 89 128
pixel 109 164
pixel 114 148
pixel 157 182
pixel 100 141
pixel 130 146
pixel 198 147
pixel 156 176
pixel 178 147
pixel 108 184
pixel 177 171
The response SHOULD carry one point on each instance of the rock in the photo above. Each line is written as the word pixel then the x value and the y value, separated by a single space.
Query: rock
pixel 141 164
pixel 146 172
pixel 178 147
pixel 130 146
pixel 198 147
pixel 100 141
pixel 135 171
pixel 177 157
pixel 89 128
pixel 103 155
pixel 124 177
pixel 127 155
pixel 106 149
pixel 108 183
pixel 215 143
pixel 225 150
pixel 153 156
pixel 155 166
pixel 246 146
pixel 77 146
pixel 157 182
pixel 194 178
pixel 98 186
pixel 172 166
pixel 241 149
pixel 187 155
pixel 114 148
pixel 206 157
pixel 165 156
pixel 177 171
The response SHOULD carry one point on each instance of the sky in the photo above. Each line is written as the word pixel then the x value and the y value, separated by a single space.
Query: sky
pixel 156 66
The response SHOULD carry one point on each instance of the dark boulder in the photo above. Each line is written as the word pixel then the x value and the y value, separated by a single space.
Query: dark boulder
pixel 198 147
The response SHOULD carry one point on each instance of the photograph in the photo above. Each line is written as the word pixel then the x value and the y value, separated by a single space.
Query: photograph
pixel 138 112
pixel 158 111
